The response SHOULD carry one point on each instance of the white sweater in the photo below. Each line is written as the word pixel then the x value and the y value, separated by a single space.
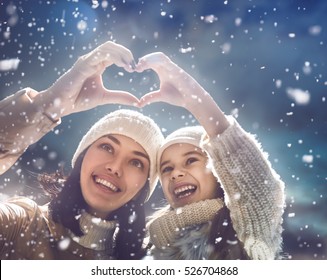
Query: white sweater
pixel 254 194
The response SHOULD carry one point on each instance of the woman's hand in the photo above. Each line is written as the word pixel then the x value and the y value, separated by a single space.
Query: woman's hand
pixel 178 88
pixel 81 88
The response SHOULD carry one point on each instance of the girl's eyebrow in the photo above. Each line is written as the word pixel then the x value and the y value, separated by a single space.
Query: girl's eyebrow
pixel 163 163
pixel 138 153
pixel 193 152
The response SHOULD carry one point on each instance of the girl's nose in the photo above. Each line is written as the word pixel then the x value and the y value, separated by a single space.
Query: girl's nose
pixel 177 173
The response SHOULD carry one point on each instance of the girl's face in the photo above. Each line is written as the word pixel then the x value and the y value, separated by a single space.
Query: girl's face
pixel 184 175
pixel 114 170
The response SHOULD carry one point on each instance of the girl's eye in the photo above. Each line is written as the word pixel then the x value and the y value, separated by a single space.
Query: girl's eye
pixel 137 163
pixel 107 147
pixel 191 160
pixel 166 169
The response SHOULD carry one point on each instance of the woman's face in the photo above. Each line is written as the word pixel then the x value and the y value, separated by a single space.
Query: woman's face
pixel 185 176
pixel 114 170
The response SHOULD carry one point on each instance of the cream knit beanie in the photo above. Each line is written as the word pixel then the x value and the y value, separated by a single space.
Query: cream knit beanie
pixel 131 124
pixel 190 135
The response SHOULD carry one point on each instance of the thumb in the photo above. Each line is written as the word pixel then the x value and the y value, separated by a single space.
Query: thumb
pixel 151 97
pixel 120 97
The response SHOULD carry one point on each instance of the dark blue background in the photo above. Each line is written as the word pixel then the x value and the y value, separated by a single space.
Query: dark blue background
pixel 250 55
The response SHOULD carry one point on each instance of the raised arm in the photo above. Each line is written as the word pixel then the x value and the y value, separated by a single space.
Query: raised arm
pixel 254 192
pixel 28 115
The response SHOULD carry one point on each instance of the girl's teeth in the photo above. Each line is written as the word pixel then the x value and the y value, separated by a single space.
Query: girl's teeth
pixel 184 191
pixel 184 188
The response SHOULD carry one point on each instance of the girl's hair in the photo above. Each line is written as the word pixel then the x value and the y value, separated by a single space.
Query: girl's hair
pixel 67 203
pixel 224 239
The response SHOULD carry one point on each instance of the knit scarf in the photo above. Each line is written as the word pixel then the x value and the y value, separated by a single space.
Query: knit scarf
pixel 98 233
pixel 163 229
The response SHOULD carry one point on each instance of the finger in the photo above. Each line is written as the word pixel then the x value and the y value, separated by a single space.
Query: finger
pixel 120 97
pixel 123 56
pixel 151 97
pixel 141 66
pixel 110 46
pixel 129 66
pixel 152 60
pixel 111 53
pixel 159 63
pixel 124 60
pixel 155 57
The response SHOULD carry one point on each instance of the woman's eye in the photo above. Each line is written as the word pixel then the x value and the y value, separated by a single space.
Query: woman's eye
pixel 137 163
pixel 107 148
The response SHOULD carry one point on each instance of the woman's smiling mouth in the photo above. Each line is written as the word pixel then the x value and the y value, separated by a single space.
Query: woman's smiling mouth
pixel 106 184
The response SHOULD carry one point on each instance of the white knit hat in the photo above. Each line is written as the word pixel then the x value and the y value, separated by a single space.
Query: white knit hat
pixel 132 124
pixel 189 135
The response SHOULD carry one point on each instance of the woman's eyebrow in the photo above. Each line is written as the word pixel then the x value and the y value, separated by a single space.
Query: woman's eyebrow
pixel 114 139
pixel 138 153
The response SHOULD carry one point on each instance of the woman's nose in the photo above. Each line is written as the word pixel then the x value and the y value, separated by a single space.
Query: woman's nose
pixel 115 168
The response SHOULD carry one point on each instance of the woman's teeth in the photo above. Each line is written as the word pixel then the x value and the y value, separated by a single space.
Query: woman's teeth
pixel 107 184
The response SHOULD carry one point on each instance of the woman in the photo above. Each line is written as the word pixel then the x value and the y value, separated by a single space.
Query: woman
pixel 241 218
pixel 97 211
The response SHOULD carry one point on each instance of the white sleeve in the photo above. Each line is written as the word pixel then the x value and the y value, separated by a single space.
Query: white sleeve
pixel 254 192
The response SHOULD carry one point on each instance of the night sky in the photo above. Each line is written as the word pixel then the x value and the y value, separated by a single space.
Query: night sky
pixel 263 62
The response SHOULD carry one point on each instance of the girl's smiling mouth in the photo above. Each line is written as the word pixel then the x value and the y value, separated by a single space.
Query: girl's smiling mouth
pixel 184 191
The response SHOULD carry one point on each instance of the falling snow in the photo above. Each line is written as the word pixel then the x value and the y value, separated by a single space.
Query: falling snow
pixel 301 97
pixel 263 63
pixel 9 64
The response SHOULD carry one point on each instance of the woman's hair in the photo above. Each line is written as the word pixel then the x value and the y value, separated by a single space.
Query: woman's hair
pixel 67 203
pixel 131 234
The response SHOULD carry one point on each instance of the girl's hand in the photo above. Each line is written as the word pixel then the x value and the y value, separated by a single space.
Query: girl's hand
pixel 81 88
pixel 180 89
pixel 176 86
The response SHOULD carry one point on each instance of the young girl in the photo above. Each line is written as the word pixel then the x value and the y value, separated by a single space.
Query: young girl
pixel 225 200
pixel 97 211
